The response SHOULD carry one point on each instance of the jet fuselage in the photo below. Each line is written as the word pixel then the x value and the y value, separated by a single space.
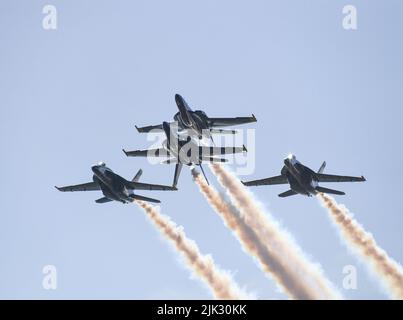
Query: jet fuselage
pixel 195 121
pixel 185 151
pixel 112 185
pixel 301 178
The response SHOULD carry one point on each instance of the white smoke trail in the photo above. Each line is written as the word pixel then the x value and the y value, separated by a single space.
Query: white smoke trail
pixel 219 282
pixel 252 244
pixel 363 244
pixel 282 246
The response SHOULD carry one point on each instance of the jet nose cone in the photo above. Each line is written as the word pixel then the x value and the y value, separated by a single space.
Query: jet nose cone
pixel 178 98
pixel 290 159
pixel 94 168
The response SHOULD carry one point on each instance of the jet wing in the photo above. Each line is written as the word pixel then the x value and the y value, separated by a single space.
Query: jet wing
pixel 333 178
pixel 160 152
pixel 224 122
pixel 268 181
pixel 147 186
pixel 216 151
pixel 90 186
pixel 222 131
pixel 146 129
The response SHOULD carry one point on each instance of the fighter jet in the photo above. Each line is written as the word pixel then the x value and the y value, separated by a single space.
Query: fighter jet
pixel 198 123
pixel 186 152
pixel 303 180
pixel 114 187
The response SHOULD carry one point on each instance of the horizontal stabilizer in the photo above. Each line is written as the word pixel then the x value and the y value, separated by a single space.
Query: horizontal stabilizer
pixel 142 198
pixel 330 191
pixel 212 159
pixel 103 200
pixel 287 194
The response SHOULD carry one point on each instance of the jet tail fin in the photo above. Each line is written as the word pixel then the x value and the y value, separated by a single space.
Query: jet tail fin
pixel 103 200
pixel 330 191
pixel 204 174
pixel 322 167
pixel 142 198
pixel 212 140
pixel 177 173
pixel 137 176
pixel 287 194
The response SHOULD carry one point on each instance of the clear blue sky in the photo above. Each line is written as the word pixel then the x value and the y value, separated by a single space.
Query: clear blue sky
pixel 71 97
